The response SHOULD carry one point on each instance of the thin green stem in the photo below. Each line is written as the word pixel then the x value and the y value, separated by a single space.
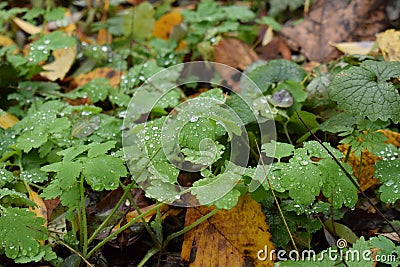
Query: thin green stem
pixel 148 255
pixel 83 222
pixel 127 191
pixel 121 229
pixel 189 227
pixel 277 203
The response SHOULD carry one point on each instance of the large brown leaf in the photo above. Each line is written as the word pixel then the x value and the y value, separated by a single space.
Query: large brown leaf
pixel 335 21
pixel 229 238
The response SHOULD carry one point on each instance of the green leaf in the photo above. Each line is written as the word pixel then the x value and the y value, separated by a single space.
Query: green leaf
pixel 241 13
pixel 55 14
pixel 31 139
pixel 6 177
pixel 96 149
pixel 97 89
pixel 33 176
pixel 193 133
pixel 270 22
pixel 20 232
pixel 276 71
pixel 388 251
pixel 40 50
pixel 103 172
pixel 337 185
pixel 277 150
pixel 368 91
pixel 228 201
pixel 68 173
pixel 388 173
pixel 143 21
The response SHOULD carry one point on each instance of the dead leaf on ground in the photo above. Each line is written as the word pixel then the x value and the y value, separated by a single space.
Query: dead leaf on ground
pixel 7 120
pixel 164 25
pixel 361 48
pixel 366 177
pixel 389 44
pixel 26 26
pixel 236 54
pixel 113 75
pixel 229 238
pixel 40 209
pixel 63 60
pixel 313 35
pixel 277 48
pixel 392 236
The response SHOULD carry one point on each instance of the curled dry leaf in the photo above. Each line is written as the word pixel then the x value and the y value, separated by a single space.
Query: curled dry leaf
pixel 229 238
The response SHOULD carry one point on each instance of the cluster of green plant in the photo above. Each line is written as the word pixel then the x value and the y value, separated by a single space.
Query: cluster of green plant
pixel 66 151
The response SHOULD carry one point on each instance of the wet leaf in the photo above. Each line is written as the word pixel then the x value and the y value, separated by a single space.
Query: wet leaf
pixel 63 60
pixel 229 238
pixel 367 90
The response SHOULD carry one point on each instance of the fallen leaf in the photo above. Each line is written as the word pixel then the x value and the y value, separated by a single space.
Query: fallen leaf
pixel 277 48
pixel 366 177
pixel 26 26
pixel 63 60
pixel 236 54
pixel 268 36
pixel 393 236
pixel 229 238
pixel 7 120
pixel 5 41
pixel 312 36
pixel 164 25
pixel 361 48
pixel 40 209
pixel 389 44
pixel 113 75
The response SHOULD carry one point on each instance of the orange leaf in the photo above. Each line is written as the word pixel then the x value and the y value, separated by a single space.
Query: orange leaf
pixel 7 120
pixel 366 177
pixel 229 238
pixel 164 25
pixel 109 73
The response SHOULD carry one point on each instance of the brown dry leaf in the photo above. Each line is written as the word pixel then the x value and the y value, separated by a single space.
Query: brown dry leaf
pixel 361 48
pixel 63 60
pixel 277 48
pixel 389 44
pixel 366 179
pixel 236 54
pixel 229 238
pixel 26 26
pixel 393 236
pixel 109 73
pixel 164 25
pixel 7 120
pixel 313 35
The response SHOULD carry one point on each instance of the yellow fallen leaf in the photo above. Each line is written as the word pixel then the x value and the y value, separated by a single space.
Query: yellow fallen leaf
pixel 63 60
pixel 7 120
pixel 113 75
pixel 40 210
pixel 229 238
pixel 26 26
pixel 361 48
pixel 389 44
pixel 5 41
pixel 268 35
